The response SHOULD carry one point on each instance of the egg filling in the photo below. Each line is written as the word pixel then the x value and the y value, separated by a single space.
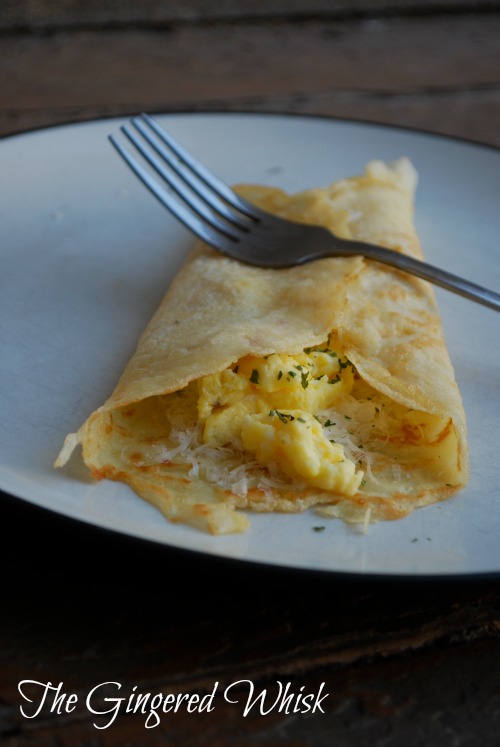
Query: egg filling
pixel 269 407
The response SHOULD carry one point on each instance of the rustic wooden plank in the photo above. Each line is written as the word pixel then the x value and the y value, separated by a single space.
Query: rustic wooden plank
pixel 57 13
pixel 441 75
pixel 446 695
pixel 222 62
pixel 103 607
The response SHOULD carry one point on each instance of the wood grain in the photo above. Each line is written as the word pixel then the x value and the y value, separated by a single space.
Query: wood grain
pixel 394 656
pixel 433 73
pixel 49 14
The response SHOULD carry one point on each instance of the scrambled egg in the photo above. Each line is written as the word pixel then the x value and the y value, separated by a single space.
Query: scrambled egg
pixel 267 406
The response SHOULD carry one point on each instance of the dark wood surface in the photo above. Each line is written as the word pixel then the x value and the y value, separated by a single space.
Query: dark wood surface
pixel 404 662
pixel 428 65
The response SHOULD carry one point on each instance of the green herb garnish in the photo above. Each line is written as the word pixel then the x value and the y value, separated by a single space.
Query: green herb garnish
pixel 283 416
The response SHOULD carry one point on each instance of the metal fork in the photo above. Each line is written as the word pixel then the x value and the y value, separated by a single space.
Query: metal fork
pixel 218 216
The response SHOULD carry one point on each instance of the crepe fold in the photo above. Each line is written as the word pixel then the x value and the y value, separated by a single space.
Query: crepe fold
pixel 218 312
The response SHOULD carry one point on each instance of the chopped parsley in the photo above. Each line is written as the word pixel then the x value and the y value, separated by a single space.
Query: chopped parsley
pixel 283 416
pixel 346 364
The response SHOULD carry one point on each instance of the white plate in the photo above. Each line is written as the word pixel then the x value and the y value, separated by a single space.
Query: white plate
pixel 87 254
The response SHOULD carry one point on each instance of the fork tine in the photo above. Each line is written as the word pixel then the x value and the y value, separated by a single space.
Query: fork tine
pixel 220 240
pixel 192 178
pixel 186 195
pixel 216 184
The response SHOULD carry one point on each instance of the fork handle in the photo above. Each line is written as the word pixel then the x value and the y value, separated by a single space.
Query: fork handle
pixel 428 272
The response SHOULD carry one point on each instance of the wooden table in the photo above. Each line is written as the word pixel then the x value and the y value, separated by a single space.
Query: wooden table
pixel 403 662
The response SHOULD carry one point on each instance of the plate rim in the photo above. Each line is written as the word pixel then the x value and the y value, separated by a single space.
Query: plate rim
pixel 249 112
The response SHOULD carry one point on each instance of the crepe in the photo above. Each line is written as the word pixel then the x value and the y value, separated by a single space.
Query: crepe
pixel 201 423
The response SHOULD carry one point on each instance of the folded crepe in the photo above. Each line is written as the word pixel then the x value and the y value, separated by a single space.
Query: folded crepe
pixel 327 384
